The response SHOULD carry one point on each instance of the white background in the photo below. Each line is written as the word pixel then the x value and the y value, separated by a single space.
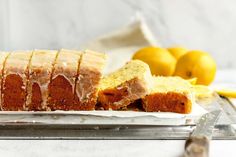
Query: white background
pixel 197 24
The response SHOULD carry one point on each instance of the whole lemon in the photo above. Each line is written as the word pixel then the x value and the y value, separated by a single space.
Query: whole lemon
pixel 197 64
pixel 160 61
pixel 177 52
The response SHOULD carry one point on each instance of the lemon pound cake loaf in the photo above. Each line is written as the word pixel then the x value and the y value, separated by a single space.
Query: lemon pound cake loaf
pixel 62 85
pixel 40 70
pixel 3 56
pixel 169 94
pixel 119 89
pixel 89 75
pixel 15 80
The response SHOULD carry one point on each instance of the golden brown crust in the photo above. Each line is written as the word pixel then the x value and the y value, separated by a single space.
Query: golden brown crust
pixel 90 73
pixel 63 81
pixel 40 71
pixel 123 95
pixel 72 87
pixel 3 57
pixel 15 81
pixel 167 102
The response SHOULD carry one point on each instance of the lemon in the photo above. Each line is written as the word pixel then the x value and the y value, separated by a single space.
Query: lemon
pixel 202 91
pixel 227 93
pixel 177 52
pixel 160 61
pixel 197 64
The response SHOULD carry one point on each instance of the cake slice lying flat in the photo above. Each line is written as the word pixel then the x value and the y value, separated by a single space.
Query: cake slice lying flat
pixel 15 81
pixel 169 94
pixel 119 89
pixel 62 85
pixel 40 70
pixel 3 56
pixel 89 76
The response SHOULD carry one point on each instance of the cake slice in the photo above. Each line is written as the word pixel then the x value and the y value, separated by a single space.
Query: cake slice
pixel 89 75
pixel 40 70
pixel 62 85
pixel 14 81
pixel 119 89
pixel 3 56
pixel 169 94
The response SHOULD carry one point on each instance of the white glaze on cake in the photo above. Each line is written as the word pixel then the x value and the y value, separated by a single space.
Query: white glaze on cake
pixel 40 70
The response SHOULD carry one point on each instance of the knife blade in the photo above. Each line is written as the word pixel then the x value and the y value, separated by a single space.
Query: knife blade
pixel 197 145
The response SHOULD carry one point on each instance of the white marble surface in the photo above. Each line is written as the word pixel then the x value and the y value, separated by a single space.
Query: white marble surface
pixel 107 148
pixel 198 24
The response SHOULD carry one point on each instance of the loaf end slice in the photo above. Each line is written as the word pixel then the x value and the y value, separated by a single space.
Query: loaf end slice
pixel 169 94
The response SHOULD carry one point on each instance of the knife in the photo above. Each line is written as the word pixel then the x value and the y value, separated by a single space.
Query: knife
pixel 197 145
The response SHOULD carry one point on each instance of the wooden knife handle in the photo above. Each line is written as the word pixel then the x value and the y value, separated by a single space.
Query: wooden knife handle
pixel 197 146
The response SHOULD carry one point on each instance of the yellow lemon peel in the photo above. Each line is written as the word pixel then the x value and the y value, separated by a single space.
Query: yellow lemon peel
pixel 227 93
